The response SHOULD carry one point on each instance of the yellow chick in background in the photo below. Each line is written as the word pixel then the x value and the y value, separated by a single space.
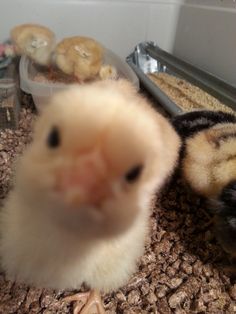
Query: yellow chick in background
pixel 79 56
pixel 80 206
pixel 35 41
pixel 108 72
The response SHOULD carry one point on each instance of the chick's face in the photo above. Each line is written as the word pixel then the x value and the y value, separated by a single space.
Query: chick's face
pixel 35 41
pixel 39 49
pixel 92 159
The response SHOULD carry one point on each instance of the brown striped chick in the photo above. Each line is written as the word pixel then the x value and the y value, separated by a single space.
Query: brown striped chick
pixel 34 41
pixel 209 161
pixel 79 56
pixel 209 166
pixel 81 202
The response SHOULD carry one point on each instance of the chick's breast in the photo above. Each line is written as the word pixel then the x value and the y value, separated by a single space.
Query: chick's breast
pixel 81 201
pixel 79 56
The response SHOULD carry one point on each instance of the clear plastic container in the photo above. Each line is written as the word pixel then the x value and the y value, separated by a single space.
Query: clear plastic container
pixel 42 91
pixel 9 104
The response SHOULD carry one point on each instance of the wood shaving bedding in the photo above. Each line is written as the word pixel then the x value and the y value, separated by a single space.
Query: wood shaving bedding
pixel 187 96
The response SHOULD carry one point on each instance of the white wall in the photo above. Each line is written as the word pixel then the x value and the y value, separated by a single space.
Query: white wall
pixel 202 32
pixel 206 36
pixel 119 25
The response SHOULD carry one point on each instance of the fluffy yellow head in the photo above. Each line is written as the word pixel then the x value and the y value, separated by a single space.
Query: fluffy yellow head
pixel 79 56
pixel 98 153
pixel 34 41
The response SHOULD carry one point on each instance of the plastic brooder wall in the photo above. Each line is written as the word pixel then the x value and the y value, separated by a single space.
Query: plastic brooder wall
pixel 202 32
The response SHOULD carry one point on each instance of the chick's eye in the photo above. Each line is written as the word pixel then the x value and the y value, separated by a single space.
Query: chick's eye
pixel 53 139
pixel 133 174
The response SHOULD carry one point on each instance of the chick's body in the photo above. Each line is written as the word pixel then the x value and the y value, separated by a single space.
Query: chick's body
pixel 80 205
pixel 208 149
pixel 34 41
pixel 208 165
pixel 79 56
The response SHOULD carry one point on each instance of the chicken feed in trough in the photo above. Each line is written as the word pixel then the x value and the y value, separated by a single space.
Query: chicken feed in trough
pixel 177 85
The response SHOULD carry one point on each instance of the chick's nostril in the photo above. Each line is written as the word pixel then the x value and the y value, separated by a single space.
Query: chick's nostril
pixel 79 190
pixel 85 184
pixel 83 179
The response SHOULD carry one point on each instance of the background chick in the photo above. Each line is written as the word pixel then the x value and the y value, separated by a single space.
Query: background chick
pixel 207 143
pixel 79 56
pixel 80 205
pixel 208 165
pixel 34 41
pixel 108 72
pixel 209 162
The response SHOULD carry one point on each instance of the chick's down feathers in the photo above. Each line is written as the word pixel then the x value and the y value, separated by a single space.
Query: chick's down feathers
pixel 34 41
pixel 79 56
pixel 190 123
pixel 79 208
pixel 208 165
pixel 209 162
pixel 208 148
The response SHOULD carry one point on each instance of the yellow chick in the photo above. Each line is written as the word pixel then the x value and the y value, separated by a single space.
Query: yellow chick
pixel 209 162
pixel 108 72
pixel 79 56
pixel 34 41
pixel 79 209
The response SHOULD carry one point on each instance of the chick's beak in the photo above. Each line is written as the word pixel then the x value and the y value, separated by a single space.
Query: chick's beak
pixel 84 182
